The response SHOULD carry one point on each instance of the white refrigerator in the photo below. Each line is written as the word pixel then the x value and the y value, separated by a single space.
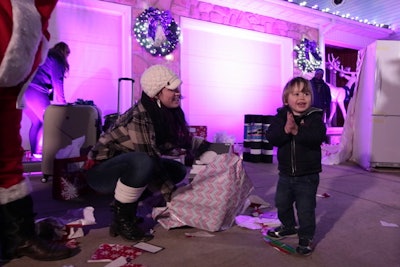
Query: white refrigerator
pixel 376 139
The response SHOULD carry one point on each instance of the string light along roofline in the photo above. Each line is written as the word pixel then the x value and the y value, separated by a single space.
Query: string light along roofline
pixel 345 16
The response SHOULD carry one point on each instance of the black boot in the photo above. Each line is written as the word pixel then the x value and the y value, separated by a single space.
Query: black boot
pixel 18 237
pixel 125 222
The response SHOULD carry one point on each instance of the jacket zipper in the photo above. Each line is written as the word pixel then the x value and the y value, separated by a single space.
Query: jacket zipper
pixel 293 156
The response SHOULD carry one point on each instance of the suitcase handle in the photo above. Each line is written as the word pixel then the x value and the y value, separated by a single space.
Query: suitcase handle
pixel 126 79
pixel 119 91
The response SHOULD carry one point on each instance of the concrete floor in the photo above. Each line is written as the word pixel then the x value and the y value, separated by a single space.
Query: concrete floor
pixel 351 228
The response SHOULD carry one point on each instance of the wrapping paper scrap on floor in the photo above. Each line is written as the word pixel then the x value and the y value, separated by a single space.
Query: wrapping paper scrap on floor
pixel 383 223
pixel 256 203
pixel 123 262
pixel 324 195
pixel 110 252
pixel 270 215
pixel 255 223
pixel 256 200
pixel 199 234
pixel 75 228
pixel 67 227
pixel 280 246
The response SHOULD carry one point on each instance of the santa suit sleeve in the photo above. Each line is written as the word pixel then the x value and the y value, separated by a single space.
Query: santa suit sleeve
pixel 23 35
pixel 24 38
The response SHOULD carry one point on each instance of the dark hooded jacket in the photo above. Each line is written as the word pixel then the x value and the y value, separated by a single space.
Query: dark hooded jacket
pixel 298 154
pixel 322 94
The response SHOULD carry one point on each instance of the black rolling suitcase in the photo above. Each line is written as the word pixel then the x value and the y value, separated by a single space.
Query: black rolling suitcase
pixel 110 119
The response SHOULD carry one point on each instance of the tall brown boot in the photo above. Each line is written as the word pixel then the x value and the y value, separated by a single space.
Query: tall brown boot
pixel 125 222
pixel 18 237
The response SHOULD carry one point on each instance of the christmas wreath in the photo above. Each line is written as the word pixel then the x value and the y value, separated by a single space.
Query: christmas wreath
pixel 308 55
pixel 157 31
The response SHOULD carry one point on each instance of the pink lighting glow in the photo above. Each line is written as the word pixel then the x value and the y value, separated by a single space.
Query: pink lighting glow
pixel 228 72
pixel 98 34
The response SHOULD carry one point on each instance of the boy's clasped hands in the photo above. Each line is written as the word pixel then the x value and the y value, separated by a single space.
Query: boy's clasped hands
pixel 291 126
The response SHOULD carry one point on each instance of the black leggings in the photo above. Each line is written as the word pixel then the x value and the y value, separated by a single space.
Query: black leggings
pixel 133 169
pixel 36 103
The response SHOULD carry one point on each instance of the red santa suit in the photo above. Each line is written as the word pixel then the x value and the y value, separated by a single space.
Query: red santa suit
pixel 23 37
pixel 23 43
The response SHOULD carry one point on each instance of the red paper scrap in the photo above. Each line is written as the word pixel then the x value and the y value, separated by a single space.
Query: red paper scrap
pixel 110 252
pixel 324 195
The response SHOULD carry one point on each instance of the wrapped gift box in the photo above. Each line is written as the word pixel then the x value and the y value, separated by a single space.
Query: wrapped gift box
pixel 211 202
pixel 200 131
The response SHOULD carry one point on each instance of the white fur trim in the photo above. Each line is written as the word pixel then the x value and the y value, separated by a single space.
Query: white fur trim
pixel 15 192
pixel 26 36
pixel 127 194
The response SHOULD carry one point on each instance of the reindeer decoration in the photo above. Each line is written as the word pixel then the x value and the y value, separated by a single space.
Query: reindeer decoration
pixel 339 93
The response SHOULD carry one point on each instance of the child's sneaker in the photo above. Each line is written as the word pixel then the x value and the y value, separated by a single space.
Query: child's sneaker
pixel 281 232
pixel 304 247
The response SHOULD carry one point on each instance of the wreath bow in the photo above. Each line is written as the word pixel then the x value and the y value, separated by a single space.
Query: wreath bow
pixel 157 31
pixel 308 55
pixel 156 19
pixel 311 48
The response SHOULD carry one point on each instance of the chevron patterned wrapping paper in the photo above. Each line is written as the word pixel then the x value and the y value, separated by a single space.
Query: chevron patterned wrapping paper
pixel 212 200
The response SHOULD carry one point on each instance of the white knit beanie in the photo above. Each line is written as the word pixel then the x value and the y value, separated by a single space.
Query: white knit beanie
pixel 155 78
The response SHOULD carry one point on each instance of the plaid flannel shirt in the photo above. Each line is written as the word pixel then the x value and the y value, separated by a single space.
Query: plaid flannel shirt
pixel 133 131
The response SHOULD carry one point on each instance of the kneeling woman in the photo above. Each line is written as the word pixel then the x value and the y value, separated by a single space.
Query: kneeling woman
pixel 128 156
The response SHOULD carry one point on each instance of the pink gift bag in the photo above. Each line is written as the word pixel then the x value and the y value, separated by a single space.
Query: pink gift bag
pixel 212 200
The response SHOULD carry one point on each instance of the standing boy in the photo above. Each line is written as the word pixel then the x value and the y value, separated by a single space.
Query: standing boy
pixel 298 131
